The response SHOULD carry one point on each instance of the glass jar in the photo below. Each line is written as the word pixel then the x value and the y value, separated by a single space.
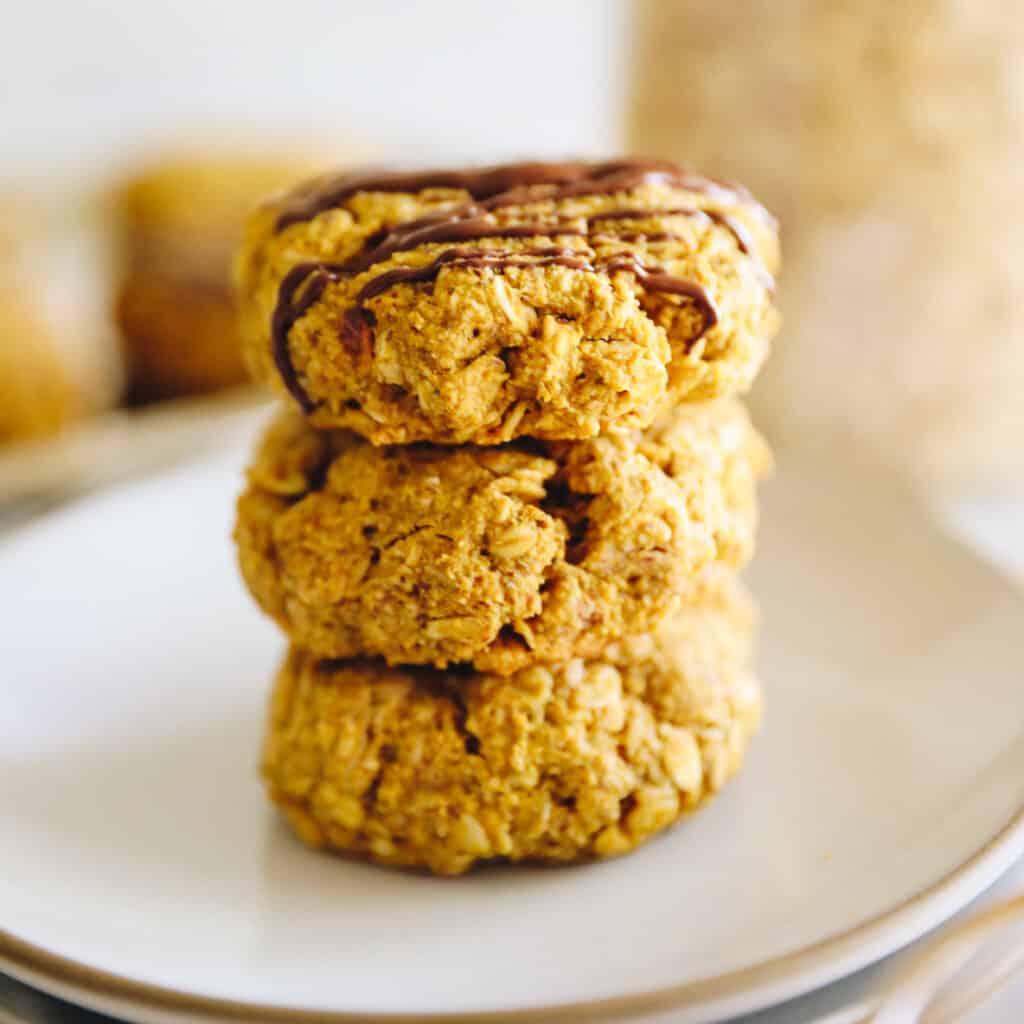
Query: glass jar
pixel 888 138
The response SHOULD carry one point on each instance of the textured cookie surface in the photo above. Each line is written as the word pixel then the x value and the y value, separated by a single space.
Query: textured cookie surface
pixel 499 556
pixel 546 300
pixel 583 759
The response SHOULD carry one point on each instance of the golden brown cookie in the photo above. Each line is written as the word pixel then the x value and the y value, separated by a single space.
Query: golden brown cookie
pixel 564 762
pixel 179 223
pixel 38 393
pixel 499 556
pixel 548 300
pixel 180 338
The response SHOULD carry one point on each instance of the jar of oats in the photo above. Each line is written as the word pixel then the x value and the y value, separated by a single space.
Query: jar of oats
pixel 889 139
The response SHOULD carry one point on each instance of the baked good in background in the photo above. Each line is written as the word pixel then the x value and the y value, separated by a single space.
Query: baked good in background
pixel 889 143
pixel 501 555
pixel 560 763
pixel 177 223
pixel 556 301
pixel 38 396
pixel 56 358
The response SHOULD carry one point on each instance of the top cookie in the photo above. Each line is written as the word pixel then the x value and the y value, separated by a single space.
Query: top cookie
pixel 556 300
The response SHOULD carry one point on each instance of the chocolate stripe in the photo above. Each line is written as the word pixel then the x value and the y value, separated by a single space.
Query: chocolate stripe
pixel 731 224
pixel 451 227
pixel 286 312
pixel 506 185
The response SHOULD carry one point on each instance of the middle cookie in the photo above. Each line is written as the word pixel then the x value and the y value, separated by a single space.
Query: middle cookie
pixel 531 551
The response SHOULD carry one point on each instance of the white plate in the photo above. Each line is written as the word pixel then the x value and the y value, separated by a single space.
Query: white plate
pixel 141 871
pixel 121 443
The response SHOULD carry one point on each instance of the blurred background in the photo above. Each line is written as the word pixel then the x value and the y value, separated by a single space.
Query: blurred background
pixel 887 137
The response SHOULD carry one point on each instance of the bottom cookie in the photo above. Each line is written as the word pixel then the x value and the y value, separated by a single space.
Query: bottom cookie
pixel 567 762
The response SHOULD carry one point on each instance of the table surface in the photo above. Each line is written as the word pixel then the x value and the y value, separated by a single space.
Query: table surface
pixel 991 524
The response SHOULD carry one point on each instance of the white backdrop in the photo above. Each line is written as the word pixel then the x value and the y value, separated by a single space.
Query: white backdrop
pixel 87 84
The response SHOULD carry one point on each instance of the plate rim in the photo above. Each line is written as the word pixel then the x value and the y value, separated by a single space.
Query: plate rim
pixel 745 989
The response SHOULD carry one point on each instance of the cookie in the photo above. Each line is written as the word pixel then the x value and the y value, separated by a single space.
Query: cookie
pixel 499 556
pixel 38 393
pixel 178 225
pixel 180 338
pixel 559 763
pixel 555 301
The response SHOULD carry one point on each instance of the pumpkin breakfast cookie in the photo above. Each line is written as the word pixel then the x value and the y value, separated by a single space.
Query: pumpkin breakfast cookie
pixel 550 300
pixel 566 762
pixel 498 556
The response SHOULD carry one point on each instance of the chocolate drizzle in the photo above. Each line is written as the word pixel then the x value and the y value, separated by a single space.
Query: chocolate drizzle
pixel 451 226
pixel 493 189
pixel 287 310
pixel 505 185
pixel 731 224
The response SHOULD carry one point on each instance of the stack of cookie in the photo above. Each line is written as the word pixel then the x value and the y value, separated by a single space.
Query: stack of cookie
pixel 501 516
